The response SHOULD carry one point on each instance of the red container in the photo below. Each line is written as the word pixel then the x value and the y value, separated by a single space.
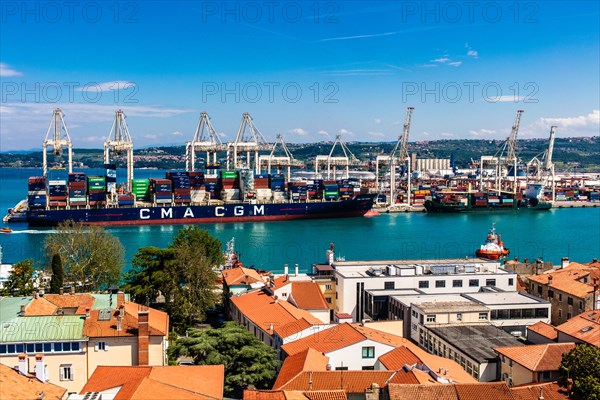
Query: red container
pixel 58 198
pixel 57 203
pixel 480 203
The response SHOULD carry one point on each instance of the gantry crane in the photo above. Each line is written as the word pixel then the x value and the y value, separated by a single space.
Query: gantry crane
pixel 205 139
pixel 541 168
pixel 507 156
pixel 333 161
pixel 399 155
pixel 248 139
pixel 60 138
pixel 119 142
pixel 287 160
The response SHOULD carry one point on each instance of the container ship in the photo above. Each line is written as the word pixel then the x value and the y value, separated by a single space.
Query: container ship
pixel 190 198
pixel 455 202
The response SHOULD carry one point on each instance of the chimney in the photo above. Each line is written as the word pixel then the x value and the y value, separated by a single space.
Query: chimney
pixel 286 270
pixel 445 372
pixel 310 382
pixel 121 310
pixel 541 394
pixel 271 327
pixel 41 293
pixel 564 262
pixel 23 364
pixel 143 337
pixel 35 295
pixel 61 291
pixel 328 367
pixel 594 260
pixel 372 393
pixel 549 280
pixel 87 313
pixel 40 369
pixel 22 312
pixel 296 270
pixel 73 289
pixel 120 298
pixel 118 322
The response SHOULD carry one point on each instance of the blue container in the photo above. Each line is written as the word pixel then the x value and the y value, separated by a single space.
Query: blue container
pixel 77 177
pixel 77 193
pixel 97 196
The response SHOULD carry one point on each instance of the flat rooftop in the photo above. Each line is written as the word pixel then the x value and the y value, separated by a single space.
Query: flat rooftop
pixel 407 300
pixel 451 306
pixel 394 292
pixel 476 341
pixel 503 298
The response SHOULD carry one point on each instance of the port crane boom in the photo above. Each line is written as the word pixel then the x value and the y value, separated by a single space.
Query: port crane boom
pixel 211 144
pixel 119 142
pixel 332 161
pixel 248 139
pixel 287 160
pixel 60 138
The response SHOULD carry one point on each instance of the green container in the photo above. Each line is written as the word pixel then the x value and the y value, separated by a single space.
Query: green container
pixel 229 174
pixel 331 193
pixel 96 179
pixel 140 182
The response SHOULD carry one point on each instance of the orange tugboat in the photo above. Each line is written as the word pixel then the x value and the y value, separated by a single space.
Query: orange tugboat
pixel 493 248
pixel 5 230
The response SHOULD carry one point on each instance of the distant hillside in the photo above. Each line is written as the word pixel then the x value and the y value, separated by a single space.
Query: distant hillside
pixel 582 153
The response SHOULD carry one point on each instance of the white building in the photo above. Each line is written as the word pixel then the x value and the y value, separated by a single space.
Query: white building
pixel 355 278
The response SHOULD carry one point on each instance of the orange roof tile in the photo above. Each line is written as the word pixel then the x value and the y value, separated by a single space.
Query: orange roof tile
pixel 264 395
pixel 458 391
pixel 569 279
pixel 158 322
pixel 325 395
pixel 544 329
pixel 146 383
pixel 537 357
pixel 308 296
pixel 349 381
pixel 549 390
pixel 79 301
pixel 334 338
pixel 399 357
pixel 307 360
pixel 16 386
pixel 40 306
pixel 584 327
pixel 273 316
pixel 241 276
pixel 295 395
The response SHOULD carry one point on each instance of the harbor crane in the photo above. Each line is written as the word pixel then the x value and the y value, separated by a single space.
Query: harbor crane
pixel 541 168
pixel 286 161
pixel 119 142
pixel 399 155
pixel 505 159
pixel 206 140
pixel 332 162
pixel 57 140
pixel 250 140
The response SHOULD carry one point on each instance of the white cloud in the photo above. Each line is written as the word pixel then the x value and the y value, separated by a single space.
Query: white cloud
pixel 376 134
pixel 455 63
pixel 447 134
pixel 377 120
pixel 473 53
pixel 177 133
pixel 150 136
pixel 7 71
pixel 358 36
pixel 106 86
pixel 482 132
pixel 441 60
pixel 346 132
pixel 590 119
pixel 425 133
pixel 221 134
pixel 298 131
pixel 324 133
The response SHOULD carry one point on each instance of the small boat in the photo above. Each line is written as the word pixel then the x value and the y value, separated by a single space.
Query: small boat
pixel 493 249
pixel 5 230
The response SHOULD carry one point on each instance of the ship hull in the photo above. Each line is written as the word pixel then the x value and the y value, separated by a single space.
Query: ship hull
pixel 170 215
pixel 437 207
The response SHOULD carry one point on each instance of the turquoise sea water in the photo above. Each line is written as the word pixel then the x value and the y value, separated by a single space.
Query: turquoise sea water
pixel 573 233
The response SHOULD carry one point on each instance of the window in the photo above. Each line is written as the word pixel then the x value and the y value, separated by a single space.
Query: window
pixel 66 346
pixel 550 293
pixel 560 297
pixel 389 285
pixel 510 363
pixel 2 349
pixel 580 305
pixel 431 318
pixel 559 313
pixel 341 368
pixel 368 352
pixel 511 282
pixel 457 283
pixel 368 368
pixel 546 375
pixel 104 346
pixel 39 347
pixel 570 301
pixel 336 295
pixel 47 347
pixel 459 316
pixel 423 284
pixel 328 286
pixel 482 316
pixel 473 282
pixel 440 284
pixel 328 299
pixel 57 346
pixel 568 315
pixel 66 372
pixel 20 348
pixel 490 282
pixel 539 289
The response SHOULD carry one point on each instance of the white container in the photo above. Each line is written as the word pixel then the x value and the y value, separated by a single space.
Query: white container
pixel 57 183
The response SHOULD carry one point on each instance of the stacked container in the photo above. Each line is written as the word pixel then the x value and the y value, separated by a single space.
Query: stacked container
pixel 126 200
pixel 480 199
pixel 57 193
pixel 97 190
pixel 346 191
pixel 197 189
pixel 140 189
pixel 298 190
pixel 231 185
pixel 212 188
pixel 181 187
pixel 162 190
pixel 247 182
pixel 111 177
pixel 330 190
pixel 77 189
pixel 262 187
pixel 312 191
pixel 493 201
pixel 277 182
pixel 36 194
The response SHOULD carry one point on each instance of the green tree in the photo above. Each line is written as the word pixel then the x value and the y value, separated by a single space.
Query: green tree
pixel 92 258
pixel 58 274
pixel 247 360
pixel 582 366
pixel 20 280
pixel 184 273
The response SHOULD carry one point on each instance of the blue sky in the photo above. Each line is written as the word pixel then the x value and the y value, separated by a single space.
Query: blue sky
pixel 307 70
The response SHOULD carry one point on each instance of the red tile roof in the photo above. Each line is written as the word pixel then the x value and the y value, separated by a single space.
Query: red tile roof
pixel 307 360
pixel 349 381
pixel 295 395
pixel 40 306
pixel 149 383
pixel 158 322
pixel 16 386
pixel 50 303
pixel 308 296
pixel 544 329
pixel 570 279
pixel 399 357
pixel 273 316
pixel 537 357
pixel 584 327
pixel 241 276
pixel 334 338
pixel 549 390
pixel 458 391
